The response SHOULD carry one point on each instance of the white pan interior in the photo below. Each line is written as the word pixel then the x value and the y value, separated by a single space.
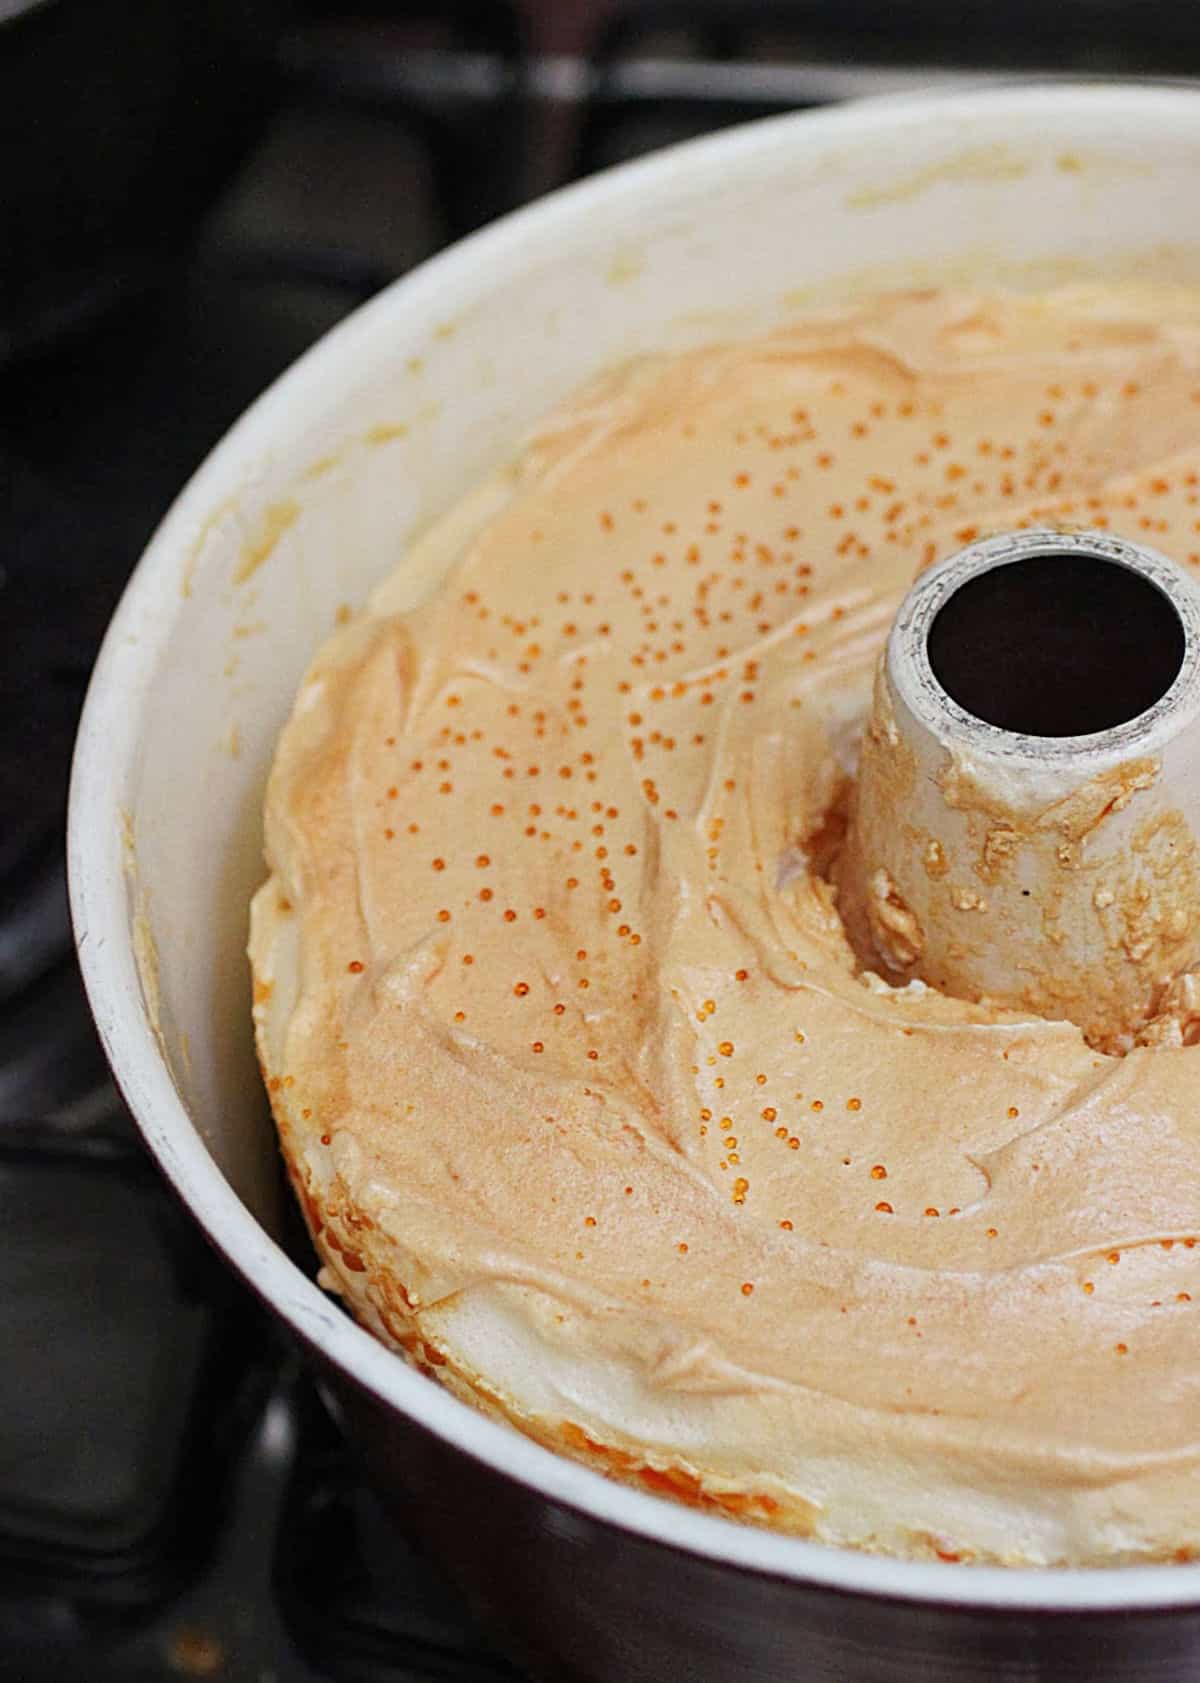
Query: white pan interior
pixel 315 495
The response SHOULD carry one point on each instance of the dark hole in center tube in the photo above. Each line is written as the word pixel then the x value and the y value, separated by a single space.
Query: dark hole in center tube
pixel 1058 644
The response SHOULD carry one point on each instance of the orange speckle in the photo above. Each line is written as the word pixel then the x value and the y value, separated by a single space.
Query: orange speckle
pixel 439 864
pixel 538 1046
pixel 444 915
pixel 355 967
pixel 521 989
pixel 853 1104
pixel 747 1289
pixel 726 1048
pixel 878 1172
pixel 884 1208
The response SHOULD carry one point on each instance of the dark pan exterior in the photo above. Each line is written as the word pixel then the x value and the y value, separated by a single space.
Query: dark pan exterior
pixel 583 1602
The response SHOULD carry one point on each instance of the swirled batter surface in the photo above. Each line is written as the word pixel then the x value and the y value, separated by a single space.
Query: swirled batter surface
pixel 590 1106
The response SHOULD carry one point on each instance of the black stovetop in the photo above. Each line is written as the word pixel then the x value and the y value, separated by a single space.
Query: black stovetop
pixel 174 1499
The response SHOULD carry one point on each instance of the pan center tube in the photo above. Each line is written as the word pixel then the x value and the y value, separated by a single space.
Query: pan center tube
pixel 1026 822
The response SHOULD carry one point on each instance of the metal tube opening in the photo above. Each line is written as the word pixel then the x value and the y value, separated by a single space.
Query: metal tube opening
pixel 1058 643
